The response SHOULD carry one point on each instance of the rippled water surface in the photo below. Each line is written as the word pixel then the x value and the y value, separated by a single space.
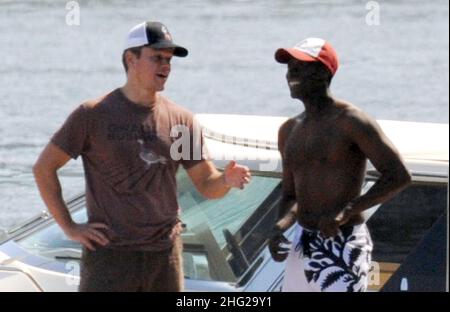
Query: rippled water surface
pixel 396 70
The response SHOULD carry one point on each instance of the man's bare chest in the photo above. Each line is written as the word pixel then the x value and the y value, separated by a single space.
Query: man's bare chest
pixel 309 144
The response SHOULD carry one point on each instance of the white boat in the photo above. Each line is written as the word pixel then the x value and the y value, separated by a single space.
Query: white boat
pixel 225 240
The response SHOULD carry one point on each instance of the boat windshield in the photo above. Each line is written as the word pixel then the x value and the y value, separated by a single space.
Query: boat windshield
pixel 221 237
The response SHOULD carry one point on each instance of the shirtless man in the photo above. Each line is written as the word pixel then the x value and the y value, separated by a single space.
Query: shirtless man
pixel 324 152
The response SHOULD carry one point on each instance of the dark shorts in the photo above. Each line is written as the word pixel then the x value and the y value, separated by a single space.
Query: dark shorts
pixel 106 270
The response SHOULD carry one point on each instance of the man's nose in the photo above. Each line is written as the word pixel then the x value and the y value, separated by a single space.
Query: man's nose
pixel 165 65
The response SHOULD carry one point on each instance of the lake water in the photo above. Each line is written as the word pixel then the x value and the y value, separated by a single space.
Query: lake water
pixel 398 69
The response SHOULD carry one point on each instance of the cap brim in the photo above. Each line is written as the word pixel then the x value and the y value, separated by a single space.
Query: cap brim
pixel 178 50
pixel 284 55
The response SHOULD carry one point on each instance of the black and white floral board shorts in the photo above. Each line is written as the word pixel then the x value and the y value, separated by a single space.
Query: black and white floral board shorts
pixel 335 264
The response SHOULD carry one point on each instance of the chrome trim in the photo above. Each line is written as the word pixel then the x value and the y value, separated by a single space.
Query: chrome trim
pixel 42 216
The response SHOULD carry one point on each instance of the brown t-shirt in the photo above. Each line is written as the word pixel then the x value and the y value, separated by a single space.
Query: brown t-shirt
pixel 130 167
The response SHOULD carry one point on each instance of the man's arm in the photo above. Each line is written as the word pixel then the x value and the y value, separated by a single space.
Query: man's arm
pixel 45 170
pixel 214 184
pixel 287 208
pixel 371 140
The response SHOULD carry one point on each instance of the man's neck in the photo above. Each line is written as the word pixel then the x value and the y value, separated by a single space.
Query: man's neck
pixel 317 103
pixel 139 95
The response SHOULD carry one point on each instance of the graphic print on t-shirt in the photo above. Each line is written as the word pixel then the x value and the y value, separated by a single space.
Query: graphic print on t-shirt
pixel 149 156
pixel 147 151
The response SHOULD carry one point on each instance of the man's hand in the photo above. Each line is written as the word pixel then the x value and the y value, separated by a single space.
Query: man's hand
pixel 236 175
pixel 88 234
pixel 278 252
pixel 213 184
pixel 344 216
pixel 328 226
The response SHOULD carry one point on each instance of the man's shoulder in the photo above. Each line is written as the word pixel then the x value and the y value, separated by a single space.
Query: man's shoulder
pixel 99 102
pixel 346 108
pixel 349 112
pixel 287 126
pixel 175 109
pixel 354 119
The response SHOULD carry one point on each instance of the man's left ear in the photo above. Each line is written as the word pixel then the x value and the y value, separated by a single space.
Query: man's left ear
pixel 130 58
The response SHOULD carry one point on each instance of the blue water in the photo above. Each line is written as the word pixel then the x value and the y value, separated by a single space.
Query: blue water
pixel 398 69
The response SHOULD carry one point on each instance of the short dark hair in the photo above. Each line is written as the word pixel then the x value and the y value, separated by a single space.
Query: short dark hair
pixel 136 51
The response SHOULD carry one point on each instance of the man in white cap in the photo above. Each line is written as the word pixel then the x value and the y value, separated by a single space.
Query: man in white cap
pixel 324 151
pixel 131 241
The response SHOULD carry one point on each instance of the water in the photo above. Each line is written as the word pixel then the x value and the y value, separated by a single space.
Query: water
pixel 396 70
